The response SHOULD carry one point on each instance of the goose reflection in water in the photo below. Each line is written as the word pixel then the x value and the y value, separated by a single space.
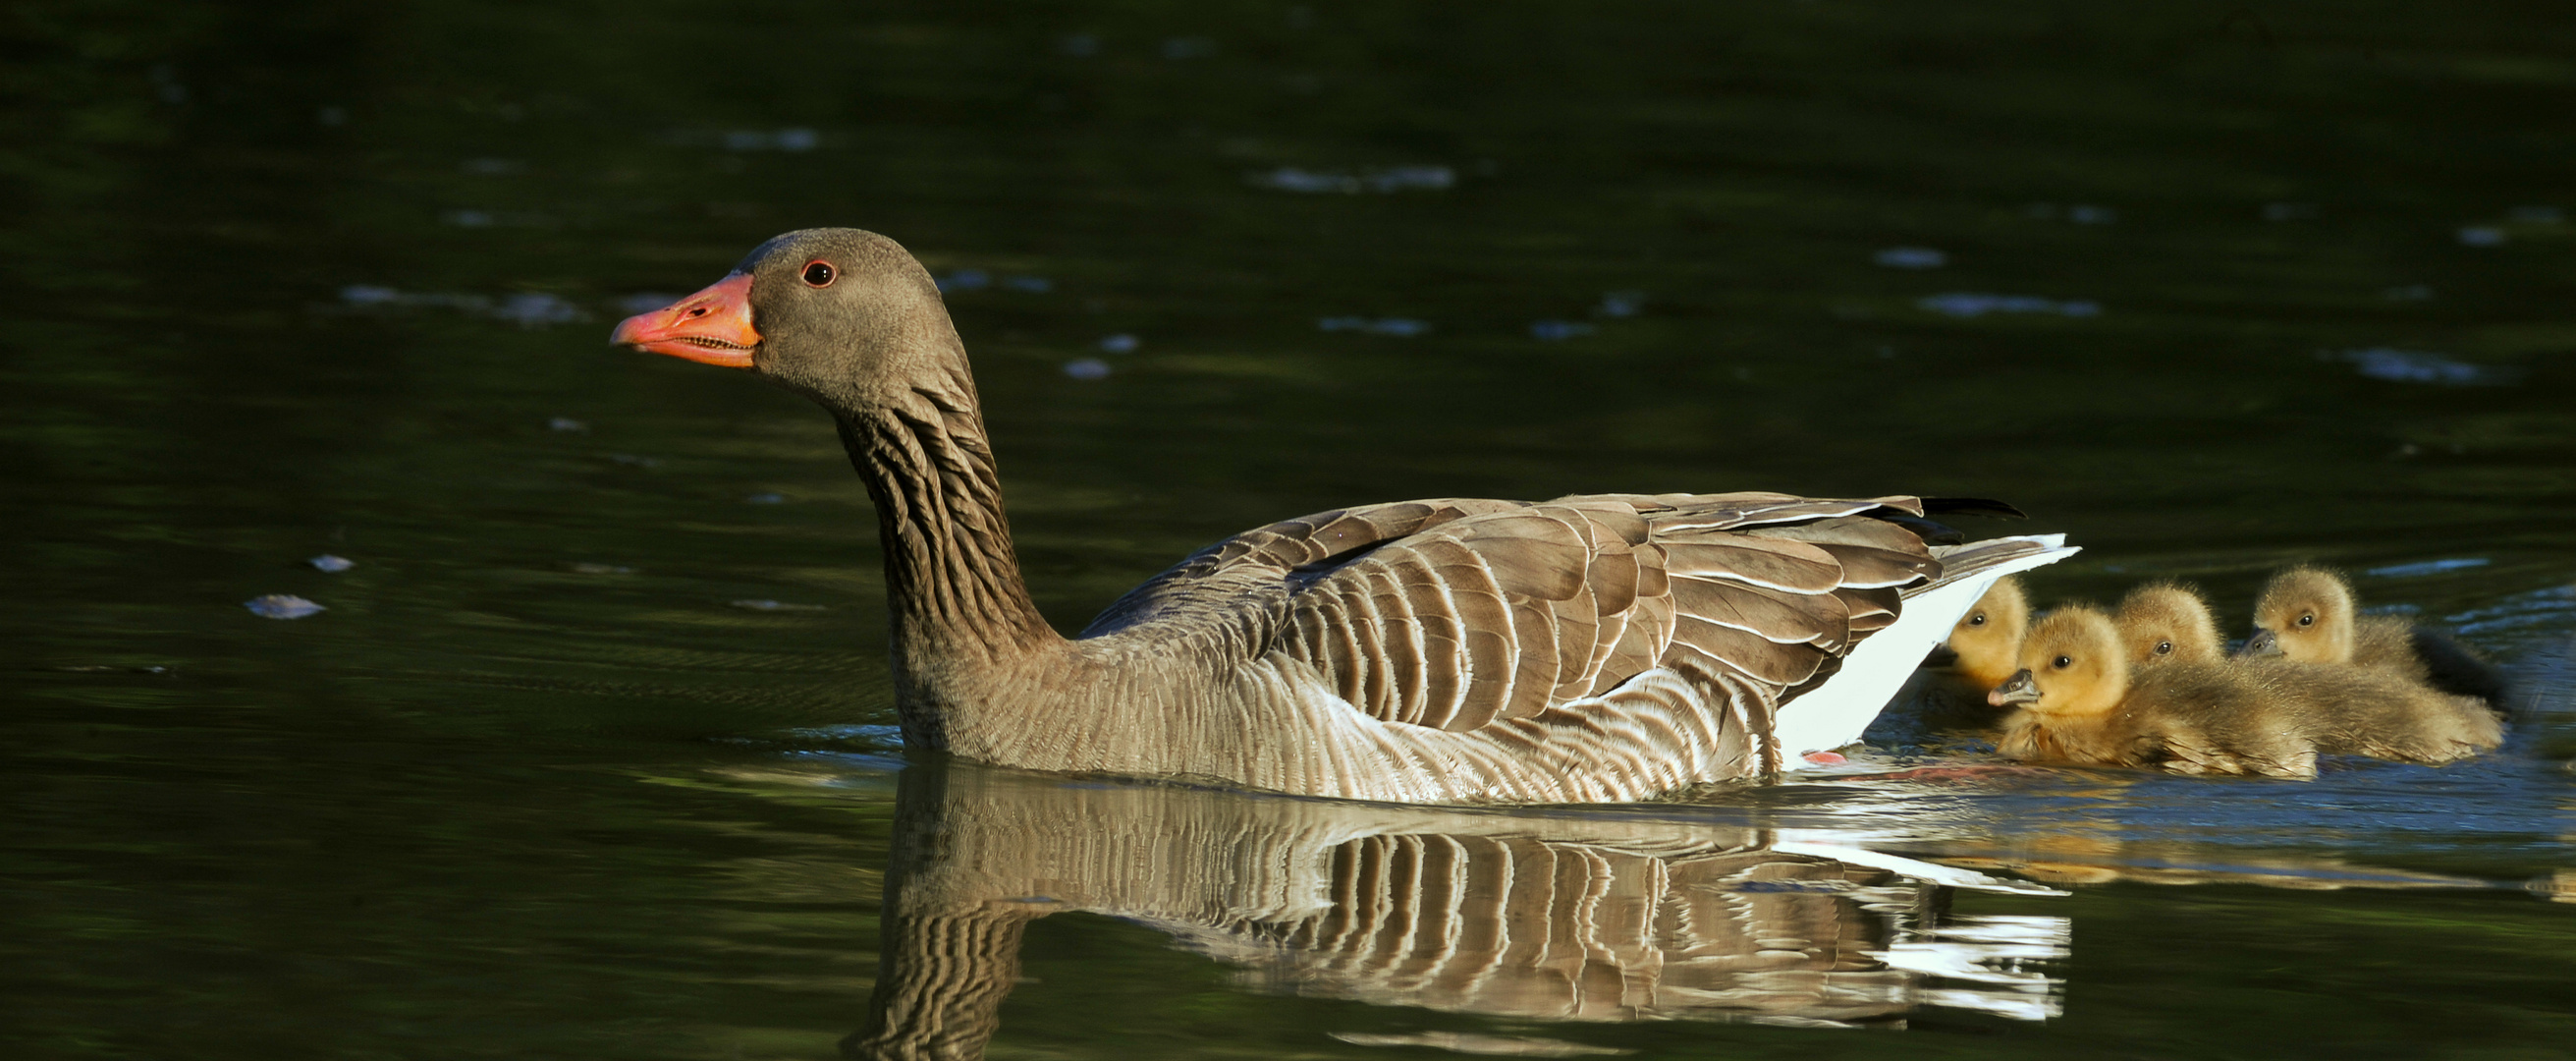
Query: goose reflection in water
pixel 1508 915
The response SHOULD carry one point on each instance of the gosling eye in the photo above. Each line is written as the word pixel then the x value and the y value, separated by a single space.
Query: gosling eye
pixel 2164 648
pixel 2063 662
pixel 2310 619
pixel 820 274
pixel 1978 619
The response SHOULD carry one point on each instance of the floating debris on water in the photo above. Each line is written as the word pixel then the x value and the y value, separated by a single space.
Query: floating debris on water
pixel 1121 343
pixel 1035 285
pixel 2415 366
pixel 633 461
pixel 767 499
pixel 1087 368
pixel 1383 181
pixel 776 606
pixel 2428 567
pixel 1911 258
pixel 964 280
pixel 1967 304
pixel 1621 303
pixel 568 424
pixel 281 606
pixel 1553 331
pixel 1399 327
pixel 331 564
pixel 602 569
pixel 2482 236
pixel 2407 293
pixel 2289 211
pixel 532 309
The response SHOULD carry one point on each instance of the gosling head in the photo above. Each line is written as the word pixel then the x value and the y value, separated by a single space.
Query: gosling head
pixel 1985 644
pixel 2168 622
pixel 2305 614
pixel 2072 665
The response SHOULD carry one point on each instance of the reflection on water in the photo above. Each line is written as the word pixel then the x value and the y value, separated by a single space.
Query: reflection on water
pixel 1521 916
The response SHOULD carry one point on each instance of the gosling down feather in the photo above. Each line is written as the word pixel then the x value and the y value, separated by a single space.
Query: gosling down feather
pixel 1590 648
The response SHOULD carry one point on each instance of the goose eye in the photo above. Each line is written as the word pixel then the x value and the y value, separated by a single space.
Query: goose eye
pixel 2164 648
pixel 2063 662
pixel 2309 619
pixel 819 274
pixel 1978 619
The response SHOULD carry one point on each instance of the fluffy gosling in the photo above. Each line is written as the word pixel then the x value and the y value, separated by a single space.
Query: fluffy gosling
pixel 2080 701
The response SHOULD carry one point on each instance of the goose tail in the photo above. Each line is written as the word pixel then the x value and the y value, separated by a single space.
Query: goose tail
pixel 1833 714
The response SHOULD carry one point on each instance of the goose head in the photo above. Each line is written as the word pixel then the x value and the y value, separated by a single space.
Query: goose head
pixel 1985 644
pixel 844 316
pixel 2072 666
pixel 2306 615
pixel 2168 622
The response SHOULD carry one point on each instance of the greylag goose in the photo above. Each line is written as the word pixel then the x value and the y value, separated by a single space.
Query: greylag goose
pixel 2309 615
pixel 2169 622
pixel 1590 648
pixel 2081 702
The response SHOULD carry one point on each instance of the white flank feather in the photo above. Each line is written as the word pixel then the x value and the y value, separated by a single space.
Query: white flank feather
pixel 1834 714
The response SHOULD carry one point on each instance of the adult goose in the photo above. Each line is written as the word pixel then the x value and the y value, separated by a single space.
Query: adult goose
pixel 1590 648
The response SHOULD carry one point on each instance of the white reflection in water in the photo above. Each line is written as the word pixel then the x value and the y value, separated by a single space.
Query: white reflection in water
pixel 527 309
pixel 1399 327
pixel 2428 567
pixel 1969 304
pixel 2416 366
pixel 1383 181
pixel 1911 258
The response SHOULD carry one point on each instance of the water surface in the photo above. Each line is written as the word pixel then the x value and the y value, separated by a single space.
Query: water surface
pixel 584 757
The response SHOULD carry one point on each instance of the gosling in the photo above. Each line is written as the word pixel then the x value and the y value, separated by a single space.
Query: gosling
pixel 2309 615
pixel 1983 650
pixel 2079 701
pixel 2169 622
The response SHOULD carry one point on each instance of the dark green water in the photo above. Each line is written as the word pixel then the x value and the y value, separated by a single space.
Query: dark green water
pixel 311 278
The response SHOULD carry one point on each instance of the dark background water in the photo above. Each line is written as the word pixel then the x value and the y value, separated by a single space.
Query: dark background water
pixel 2292 283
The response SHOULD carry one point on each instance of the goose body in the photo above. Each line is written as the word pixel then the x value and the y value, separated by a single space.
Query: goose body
pixel 1589 648
pixel 2309 614
pixel 2081 701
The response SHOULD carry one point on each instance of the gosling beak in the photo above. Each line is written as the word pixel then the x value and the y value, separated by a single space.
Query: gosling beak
pixel 2263 643
pixel 711 327
pixel 2020 690
pixel 1942 656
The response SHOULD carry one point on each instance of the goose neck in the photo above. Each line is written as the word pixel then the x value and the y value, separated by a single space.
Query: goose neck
pixel 952 578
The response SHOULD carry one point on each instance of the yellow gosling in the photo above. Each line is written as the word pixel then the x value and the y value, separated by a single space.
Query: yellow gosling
pixel 2079 701
pixel 1985 644
pixel 2169 622
pixel 2309 614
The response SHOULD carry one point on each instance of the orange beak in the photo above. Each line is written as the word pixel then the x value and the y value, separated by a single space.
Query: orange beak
pixel 712 326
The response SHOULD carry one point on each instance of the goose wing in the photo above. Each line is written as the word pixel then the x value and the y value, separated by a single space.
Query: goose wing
pixel 1453 614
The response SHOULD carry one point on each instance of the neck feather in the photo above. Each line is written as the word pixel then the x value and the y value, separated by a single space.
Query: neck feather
pixel 952 578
